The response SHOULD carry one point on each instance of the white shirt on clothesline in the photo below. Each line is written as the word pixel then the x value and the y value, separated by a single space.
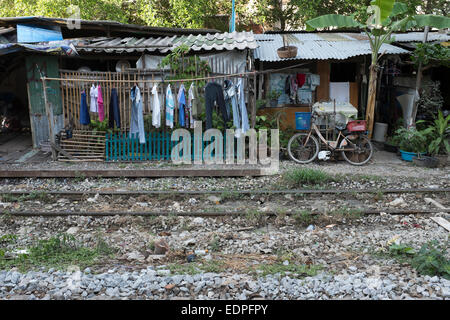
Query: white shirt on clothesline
pixel 156 107
pixel 94 95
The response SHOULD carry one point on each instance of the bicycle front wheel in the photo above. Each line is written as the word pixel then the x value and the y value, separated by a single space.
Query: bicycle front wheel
pixel 358 149
pixel 303 148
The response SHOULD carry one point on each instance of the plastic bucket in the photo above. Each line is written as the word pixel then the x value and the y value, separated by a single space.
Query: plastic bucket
pixel 379 131
pixel 408 156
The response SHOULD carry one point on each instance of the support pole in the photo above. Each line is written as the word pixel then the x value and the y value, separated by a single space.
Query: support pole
pixel 412 121
pixel 49 112
pixel 254 102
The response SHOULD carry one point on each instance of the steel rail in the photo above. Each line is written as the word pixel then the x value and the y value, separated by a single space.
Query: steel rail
pixel 193 213
pixel 201 192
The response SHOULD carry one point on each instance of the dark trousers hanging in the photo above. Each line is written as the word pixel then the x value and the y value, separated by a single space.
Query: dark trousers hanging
pixel 85 119
pixel 214 93
pixel 114 113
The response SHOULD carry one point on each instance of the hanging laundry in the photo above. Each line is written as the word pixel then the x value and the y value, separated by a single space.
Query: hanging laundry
pixel 93 93
pixel 101 111
pixel 114 113
pixel 242 108
pixel 315 81
pixel 214 93
pixel 181 98
pixel 293 89
pixel 156 107
pixel 287 85
pixel 193 104
pixel 231 102
pixel 84 112
pixel 187 116
pixel 301 79
pixel 229 93
pixel 170 106
pixel 137 117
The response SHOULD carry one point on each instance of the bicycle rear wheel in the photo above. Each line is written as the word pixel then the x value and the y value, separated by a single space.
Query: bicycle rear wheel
pixel 303 149
pixel 359 149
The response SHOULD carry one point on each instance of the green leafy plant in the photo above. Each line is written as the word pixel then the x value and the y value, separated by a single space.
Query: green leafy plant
pixel 401 249
pixel 431 53
pixel 431 260
pixel 430 102
pixel 217 121
pixel 440 134
pixel 97 125
pixel 411 140
pixel 272 121
pixel 215 244
pixel 274 95
pixel 185 67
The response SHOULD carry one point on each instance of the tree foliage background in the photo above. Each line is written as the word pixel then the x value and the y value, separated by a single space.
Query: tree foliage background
pixel 270 14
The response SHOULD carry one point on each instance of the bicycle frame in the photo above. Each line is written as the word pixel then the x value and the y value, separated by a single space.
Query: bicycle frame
pixel 331 145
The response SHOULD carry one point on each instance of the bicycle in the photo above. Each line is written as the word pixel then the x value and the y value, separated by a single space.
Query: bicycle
pixel 354 146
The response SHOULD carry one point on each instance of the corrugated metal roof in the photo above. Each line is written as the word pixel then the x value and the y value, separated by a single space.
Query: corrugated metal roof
pixel 217 41
pixel 319 46
pixel 5 30
pixel 418 36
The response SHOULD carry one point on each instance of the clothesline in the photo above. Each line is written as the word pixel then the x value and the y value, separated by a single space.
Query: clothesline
pixel 154 81
pixel 179 80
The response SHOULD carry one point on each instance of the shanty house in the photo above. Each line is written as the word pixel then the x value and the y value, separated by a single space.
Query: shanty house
pixel 333 66
pixel 107 52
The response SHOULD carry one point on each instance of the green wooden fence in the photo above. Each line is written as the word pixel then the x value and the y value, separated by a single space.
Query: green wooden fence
pixel 157 146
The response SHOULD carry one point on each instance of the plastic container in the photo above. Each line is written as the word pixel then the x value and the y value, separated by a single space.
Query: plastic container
pixel 356 125
pixel 428 162
pixel 408 156
pixel 302 120
pixel 200 252
pixel 379 131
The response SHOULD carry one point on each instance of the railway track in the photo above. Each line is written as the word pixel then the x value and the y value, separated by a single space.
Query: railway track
pixel 204 192
pixel 51 196
pixel 190 213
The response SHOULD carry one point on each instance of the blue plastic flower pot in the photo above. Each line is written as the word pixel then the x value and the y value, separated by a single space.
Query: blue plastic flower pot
pixel 408 156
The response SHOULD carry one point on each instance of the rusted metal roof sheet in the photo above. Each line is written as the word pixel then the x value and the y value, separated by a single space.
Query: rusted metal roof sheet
pixel 104 25
pixel 320 46
pixel 208 42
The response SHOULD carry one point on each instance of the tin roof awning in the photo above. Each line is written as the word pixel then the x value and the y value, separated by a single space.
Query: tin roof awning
pixel 320 46
pixel 208 42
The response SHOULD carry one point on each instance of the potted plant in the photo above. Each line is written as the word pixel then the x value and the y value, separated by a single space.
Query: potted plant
pixel 288 51
pixel 439 132
pixel 273 97
pixel 411 142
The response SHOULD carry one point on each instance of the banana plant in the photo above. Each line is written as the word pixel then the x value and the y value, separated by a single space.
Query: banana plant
pixel 386 17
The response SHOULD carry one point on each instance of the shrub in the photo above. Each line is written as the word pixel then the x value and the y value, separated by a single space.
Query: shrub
pixel 431 260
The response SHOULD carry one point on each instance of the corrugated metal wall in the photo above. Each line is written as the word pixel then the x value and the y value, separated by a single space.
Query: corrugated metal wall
pixel 49 66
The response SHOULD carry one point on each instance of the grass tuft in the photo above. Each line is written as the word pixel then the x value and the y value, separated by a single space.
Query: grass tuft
pixel 306 176
pixel 59 252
